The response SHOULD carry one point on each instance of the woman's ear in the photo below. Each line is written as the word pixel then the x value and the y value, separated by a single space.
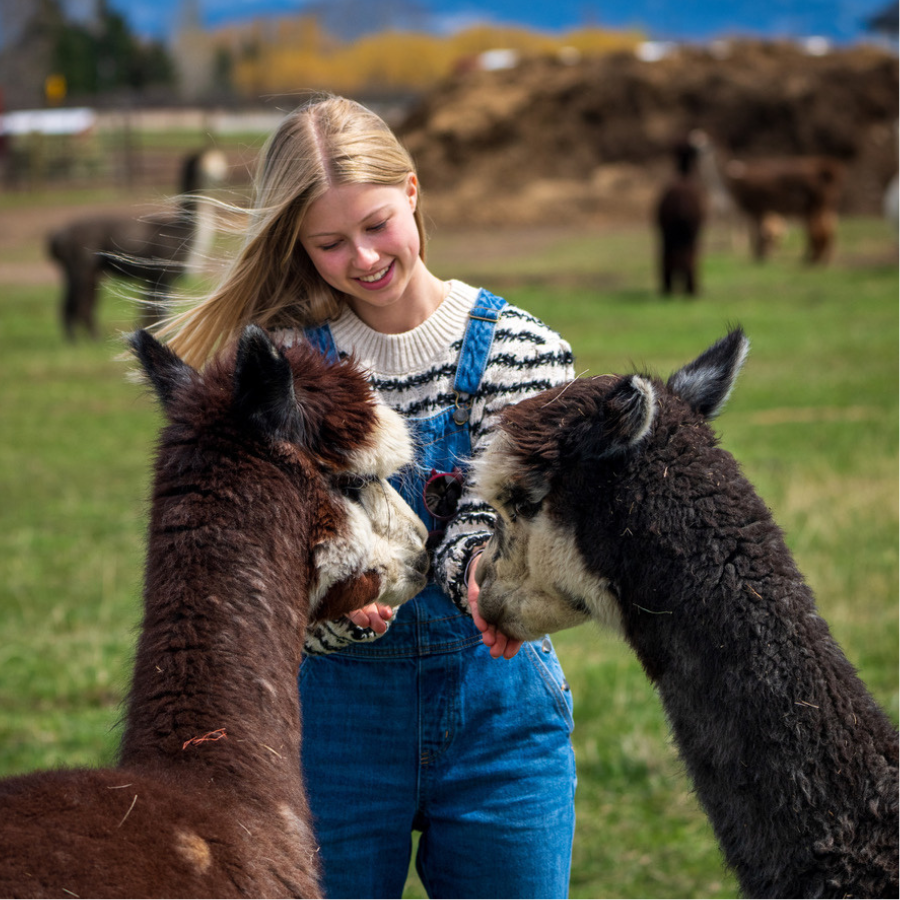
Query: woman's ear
pixel 412 190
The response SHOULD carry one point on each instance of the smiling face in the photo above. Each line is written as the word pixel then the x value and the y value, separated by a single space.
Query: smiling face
pixel 364 242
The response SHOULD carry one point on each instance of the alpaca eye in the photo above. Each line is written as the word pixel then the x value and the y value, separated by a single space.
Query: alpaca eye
pixel 527 509
pixel 352 486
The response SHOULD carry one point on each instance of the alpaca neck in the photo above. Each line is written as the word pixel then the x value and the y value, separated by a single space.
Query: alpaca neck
pixel 220 648
pixel 203 220
pixel 769 716
pixel 191 182
pixel 712 178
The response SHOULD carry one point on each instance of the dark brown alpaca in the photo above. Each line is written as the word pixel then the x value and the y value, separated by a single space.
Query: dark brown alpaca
pixel 270 508
pixel 680 214
pixel 153 250
pixel 616 504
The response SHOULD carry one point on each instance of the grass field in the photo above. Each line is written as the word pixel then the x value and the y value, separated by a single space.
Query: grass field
pixel 814 421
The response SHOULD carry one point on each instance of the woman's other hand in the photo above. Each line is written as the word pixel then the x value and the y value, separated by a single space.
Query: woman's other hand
pixel 500 644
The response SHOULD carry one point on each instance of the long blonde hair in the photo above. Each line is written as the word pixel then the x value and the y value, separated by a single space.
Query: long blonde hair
pixel 271 281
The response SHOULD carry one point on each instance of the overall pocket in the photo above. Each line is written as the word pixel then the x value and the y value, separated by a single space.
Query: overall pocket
pixel 542 657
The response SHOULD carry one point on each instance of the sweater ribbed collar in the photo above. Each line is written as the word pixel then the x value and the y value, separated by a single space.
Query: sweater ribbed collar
pixel 412 351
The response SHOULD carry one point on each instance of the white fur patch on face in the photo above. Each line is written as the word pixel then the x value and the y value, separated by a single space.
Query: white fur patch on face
pixel 392 447
pixel 381 534
pixel 399 550
pixel 538 582
pixel 492 471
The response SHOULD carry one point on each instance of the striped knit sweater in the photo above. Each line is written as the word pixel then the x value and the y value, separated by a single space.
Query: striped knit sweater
pixel 413 373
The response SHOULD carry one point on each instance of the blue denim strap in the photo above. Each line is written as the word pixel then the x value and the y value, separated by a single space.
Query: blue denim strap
pixel 322 339
pixel 476 347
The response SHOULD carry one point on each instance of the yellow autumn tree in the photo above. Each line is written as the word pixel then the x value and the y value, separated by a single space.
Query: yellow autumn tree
pixel 294 54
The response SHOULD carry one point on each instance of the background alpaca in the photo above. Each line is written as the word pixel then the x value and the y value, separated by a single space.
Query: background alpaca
pixel 804 187
pixel 616 504
pixel 154 250
pixel 270 507
pixel 680 213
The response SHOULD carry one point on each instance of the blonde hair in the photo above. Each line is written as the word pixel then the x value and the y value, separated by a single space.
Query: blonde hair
pixel 272 281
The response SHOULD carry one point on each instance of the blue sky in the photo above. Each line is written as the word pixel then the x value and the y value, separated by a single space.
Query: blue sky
pixel 840 20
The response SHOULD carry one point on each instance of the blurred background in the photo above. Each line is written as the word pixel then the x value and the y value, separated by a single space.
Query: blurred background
pixel 560 146
pixel 546 109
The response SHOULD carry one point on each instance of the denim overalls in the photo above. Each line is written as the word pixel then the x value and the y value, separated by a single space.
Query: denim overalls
pixel 422 730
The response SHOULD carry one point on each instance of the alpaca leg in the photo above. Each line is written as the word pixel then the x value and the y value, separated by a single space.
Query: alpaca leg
pixel 69 308
pixel 690 280
pixel 666 274
pixel 87 303
pixel 79 302
pixel 757 239
pixel 820 228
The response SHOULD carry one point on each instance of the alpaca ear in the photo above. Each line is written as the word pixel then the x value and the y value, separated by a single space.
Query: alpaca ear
pixel 264 388
pixel 706 383
pixel 166 371
pixel 623 418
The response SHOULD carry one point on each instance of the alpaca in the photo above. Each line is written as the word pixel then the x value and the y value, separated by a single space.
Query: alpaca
pixel 616 504
pixel 804 187
pixel 270 509
pixel 154 250
pixel 680 214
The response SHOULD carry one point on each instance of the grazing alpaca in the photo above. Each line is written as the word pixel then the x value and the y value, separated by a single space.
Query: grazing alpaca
pixel 804 187
pixel 680 214
pixel 154 250
pixel 616 504
pixel 270 508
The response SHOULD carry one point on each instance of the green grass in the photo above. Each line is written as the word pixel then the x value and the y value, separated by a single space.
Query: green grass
pixel 814 421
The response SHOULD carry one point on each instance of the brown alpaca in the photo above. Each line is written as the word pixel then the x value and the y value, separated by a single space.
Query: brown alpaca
pixel 616 504
pixel 154 250
pixel 807 188
pixel 799 187
pixel 270 509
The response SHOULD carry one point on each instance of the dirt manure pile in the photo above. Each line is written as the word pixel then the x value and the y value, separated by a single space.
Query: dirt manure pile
pixel 550 142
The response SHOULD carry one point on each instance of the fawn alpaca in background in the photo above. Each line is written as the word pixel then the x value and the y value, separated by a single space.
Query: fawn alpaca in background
pixel 270 509
pixel 616 504
pixel 768 190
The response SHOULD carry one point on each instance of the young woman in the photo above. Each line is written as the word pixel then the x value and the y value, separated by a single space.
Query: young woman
pixel 419 726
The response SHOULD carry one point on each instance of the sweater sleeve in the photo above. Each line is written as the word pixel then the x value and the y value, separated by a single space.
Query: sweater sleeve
pixel 323 638
pixel 526 358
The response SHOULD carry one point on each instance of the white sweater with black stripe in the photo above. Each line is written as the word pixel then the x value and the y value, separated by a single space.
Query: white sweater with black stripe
pixel 413 373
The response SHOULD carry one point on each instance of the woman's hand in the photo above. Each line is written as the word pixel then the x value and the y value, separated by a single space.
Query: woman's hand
pixel 374 616
pixel 500 644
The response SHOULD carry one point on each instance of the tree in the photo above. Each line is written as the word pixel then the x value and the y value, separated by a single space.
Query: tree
pixel 93 57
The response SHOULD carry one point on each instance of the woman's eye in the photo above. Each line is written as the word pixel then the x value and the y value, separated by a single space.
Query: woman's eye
pixel 327 247
pixel 379 227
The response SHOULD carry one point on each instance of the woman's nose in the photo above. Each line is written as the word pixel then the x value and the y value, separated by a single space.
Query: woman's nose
pixel 365 255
